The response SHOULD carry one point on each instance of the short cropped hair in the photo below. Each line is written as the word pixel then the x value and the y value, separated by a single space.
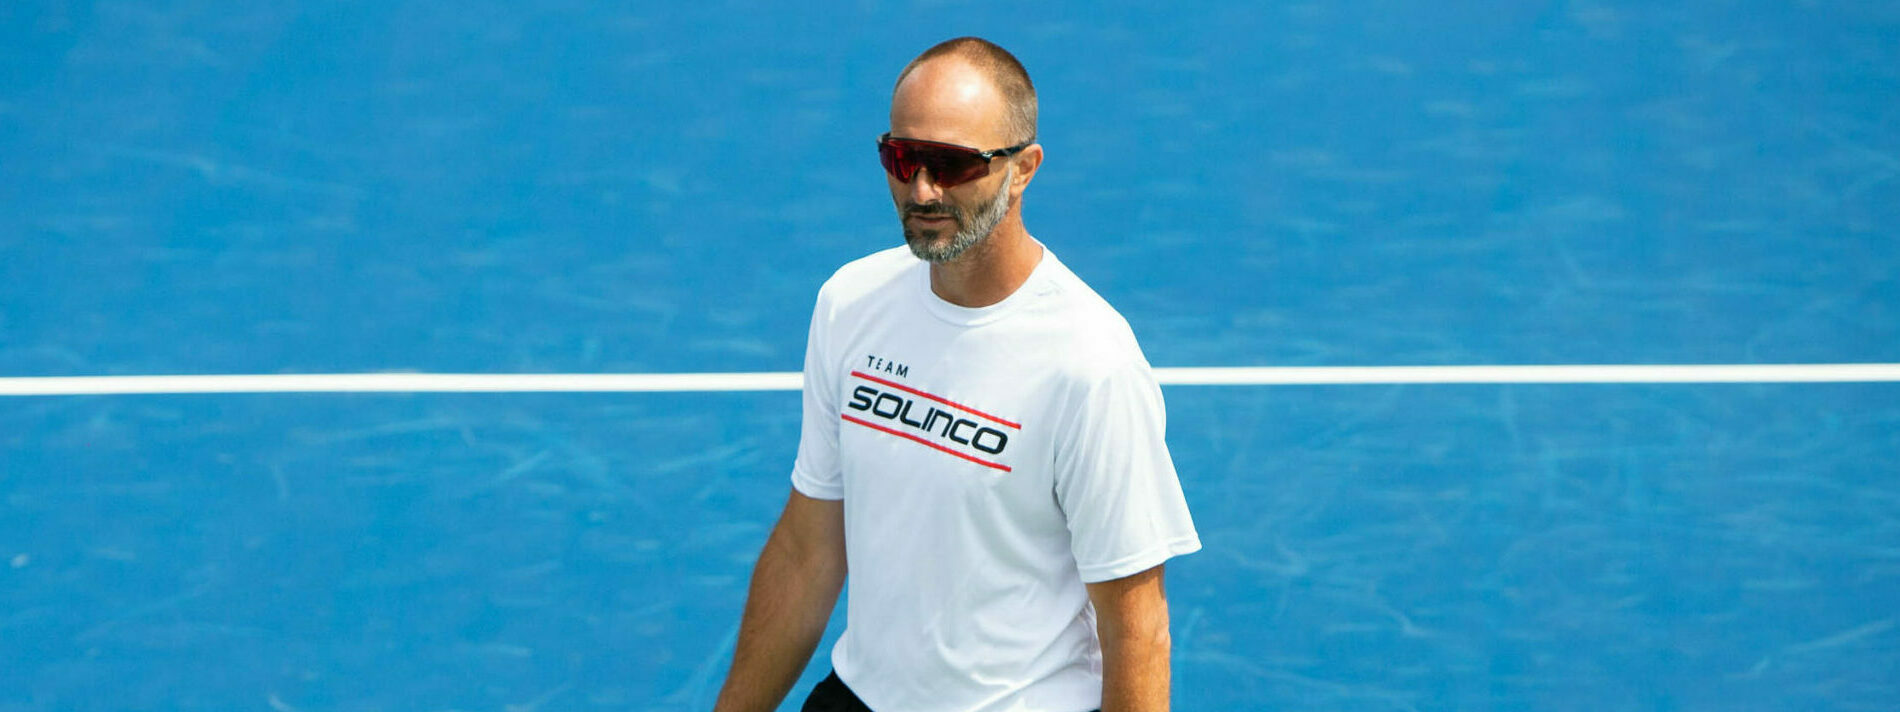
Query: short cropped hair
pixel 1003 71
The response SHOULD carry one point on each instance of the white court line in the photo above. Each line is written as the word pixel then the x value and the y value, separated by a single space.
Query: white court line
pixel 791 381
pixel 1687 373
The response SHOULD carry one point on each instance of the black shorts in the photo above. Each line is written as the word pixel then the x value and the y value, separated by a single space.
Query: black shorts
pixel 831 695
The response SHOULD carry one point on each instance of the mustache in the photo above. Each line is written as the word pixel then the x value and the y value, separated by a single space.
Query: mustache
pixel 928 210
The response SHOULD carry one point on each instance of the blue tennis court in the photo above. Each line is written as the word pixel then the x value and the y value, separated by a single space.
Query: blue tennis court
pixel 568 187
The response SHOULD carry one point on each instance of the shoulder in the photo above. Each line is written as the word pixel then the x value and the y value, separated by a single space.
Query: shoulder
pixel 1101 336
pixel 1103 384
pixel 866 276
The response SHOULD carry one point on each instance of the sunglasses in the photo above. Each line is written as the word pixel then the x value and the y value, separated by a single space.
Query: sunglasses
pixel 950 165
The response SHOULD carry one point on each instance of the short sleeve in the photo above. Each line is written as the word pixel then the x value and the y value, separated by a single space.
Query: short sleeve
pixel 816 472
pixel 1115 480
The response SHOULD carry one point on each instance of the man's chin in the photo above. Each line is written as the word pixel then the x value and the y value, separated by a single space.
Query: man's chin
pixel 928 245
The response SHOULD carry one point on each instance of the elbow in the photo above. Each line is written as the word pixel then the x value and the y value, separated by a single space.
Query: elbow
pixel 1156 637
pixel 1143 632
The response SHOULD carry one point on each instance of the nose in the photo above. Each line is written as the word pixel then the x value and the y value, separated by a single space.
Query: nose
pixel 924 189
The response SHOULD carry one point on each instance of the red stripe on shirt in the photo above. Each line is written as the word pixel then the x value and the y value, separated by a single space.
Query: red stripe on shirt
pixel 913 438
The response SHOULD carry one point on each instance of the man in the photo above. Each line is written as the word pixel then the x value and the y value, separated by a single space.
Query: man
pixel 983 443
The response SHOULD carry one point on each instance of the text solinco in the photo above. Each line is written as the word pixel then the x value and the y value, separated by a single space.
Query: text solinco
pixel 897 408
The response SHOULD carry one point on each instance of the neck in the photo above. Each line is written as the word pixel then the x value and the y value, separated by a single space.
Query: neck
pixel 992 270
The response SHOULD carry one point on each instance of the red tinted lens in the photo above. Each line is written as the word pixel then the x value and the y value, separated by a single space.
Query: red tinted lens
pixel 953 166
pixel 948 165
pixel 895 163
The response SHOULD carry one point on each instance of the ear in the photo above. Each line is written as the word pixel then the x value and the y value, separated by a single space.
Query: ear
pixel 1027 163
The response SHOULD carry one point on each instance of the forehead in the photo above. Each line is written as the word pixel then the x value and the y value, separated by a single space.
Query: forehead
pixel 947 99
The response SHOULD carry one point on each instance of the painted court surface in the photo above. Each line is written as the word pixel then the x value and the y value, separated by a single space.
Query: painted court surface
pixel 565 187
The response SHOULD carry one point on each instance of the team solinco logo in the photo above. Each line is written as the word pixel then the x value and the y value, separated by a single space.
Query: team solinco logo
pixel 950 427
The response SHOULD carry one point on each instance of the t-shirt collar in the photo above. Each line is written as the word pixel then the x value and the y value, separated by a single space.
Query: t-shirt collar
pixel 976 316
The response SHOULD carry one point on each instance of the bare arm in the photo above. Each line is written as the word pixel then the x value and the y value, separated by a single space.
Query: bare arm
pixel 1132 620
pixel 794 587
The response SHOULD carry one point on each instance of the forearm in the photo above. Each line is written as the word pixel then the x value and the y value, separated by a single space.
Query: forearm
pixel 789 601
pixel 1135 673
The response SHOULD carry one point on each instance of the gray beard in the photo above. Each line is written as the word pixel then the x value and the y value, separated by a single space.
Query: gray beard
pixel 971 229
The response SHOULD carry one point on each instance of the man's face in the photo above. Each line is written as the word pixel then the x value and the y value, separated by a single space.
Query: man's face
pixel 947 101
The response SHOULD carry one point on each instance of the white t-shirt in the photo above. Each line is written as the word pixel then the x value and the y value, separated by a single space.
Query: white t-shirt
pixel 991 461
